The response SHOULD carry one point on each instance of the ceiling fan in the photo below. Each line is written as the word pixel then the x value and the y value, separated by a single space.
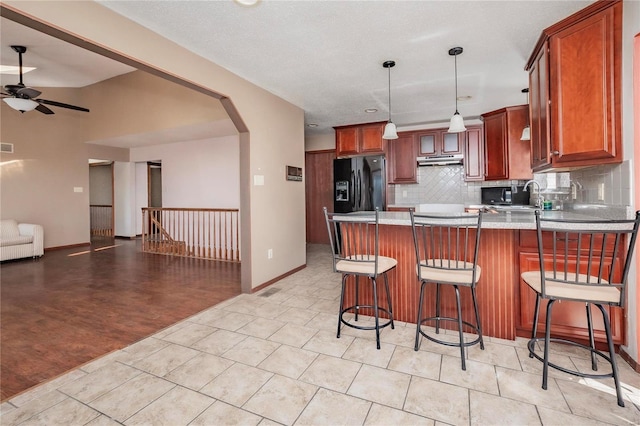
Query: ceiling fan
pixel 23 98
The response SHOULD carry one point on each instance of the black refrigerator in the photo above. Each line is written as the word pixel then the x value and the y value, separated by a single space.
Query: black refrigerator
pixel 359 184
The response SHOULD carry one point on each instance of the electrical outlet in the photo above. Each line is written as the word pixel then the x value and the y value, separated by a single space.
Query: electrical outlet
pixel 270 254
pixel 574 192
pixel 601 191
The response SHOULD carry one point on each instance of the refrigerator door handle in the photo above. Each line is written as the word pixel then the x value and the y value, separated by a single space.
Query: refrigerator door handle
pixel 353 191
pixel 359 191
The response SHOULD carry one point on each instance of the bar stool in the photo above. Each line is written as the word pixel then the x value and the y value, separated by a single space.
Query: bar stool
pixel 447 254
pixel 600 251
pixel 354 241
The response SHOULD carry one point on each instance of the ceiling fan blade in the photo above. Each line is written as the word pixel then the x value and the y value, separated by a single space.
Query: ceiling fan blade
pixel 43 109
pixel 61 105
pixel 28 92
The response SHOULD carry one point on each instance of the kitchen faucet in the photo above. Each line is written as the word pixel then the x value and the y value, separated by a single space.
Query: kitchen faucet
pixel 539 200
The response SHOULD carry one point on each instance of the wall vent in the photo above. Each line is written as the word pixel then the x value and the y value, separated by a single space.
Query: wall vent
pixel 6 148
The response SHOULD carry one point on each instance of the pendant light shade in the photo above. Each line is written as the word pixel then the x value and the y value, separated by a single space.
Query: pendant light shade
pixel 457 123
pixel 390 131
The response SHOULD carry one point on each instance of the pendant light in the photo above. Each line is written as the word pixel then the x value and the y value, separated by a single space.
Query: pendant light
pixel 457 123
pixel 390 131
pixel 526 132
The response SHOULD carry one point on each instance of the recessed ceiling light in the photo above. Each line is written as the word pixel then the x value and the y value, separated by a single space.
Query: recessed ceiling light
pixel 370 110
pixel 14 70
pixel 312 125
pixel 464 98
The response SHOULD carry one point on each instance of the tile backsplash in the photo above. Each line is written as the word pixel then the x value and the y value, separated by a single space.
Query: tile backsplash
pixel 445 184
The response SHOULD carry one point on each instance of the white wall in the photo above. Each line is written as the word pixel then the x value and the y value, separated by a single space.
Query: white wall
pixel 200 174
pixel 141 194
pixel 124 199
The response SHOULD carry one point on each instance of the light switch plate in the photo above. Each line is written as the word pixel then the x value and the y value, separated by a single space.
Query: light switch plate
pixel 77 189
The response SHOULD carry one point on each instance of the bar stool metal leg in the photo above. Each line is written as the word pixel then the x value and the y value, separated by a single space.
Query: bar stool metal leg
pixel 375 311
pixel 592 343
pixel 437 308
pixel 386 285
pixel 536 314
pixel 418 321
pixel 612 355
pixel 547 339
pixel 475 307
pixel 460 333
pixel 344 282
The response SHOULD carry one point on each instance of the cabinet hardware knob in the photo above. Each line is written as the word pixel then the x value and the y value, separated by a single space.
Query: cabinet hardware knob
pixel 555 152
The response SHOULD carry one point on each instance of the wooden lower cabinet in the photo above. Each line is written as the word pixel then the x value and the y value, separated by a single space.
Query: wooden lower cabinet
pixel 569 319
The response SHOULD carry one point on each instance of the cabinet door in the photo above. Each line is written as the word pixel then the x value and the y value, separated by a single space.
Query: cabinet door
pixel 347 141
pixel 585 103
pixel 495 140
pixel 568 319
pixel 474 154
pixel 402 159
pixel 539 110
pixel 371 141
pixel 452 143
pixel 427 143
pixel 440 142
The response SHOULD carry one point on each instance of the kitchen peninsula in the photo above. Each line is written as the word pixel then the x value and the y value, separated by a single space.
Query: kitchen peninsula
pixel 507 246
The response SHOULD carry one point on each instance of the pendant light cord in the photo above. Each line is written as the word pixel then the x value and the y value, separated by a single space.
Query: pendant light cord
pixel 389 94
pixel 455 61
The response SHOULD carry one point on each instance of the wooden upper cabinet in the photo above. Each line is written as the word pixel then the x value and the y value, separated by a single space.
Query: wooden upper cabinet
pixel 401 159
pixel 539 110
pixel 576 66
pixel 505 155
pixel 439 142
pixel 474 154
pixel 359 139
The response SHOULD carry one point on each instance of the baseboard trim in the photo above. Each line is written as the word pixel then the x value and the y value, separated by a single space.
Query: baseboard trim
pixel 278 278
pixel 632 362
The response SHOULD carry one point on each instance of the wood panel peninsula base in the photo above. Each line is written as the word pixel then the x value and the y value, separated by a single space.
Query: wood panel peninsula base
pixel 506 307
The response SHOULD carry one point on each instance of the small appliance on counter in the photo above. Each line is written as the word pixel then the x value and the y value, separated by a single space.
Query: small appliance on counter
pixel 504 195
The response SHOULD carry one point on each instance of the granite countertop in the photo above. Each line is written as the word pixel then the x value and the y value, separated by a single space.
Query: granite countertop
pixel 512 219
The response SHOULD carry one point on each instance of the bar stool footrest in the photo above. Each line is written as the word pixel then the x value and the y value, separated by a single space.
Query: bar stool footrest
pixel 388 321
pixel 448 343
pixel 532 352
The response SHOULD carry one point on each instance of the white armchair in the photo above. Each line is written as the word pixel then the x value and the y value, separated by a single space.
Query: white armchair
pixel 18 240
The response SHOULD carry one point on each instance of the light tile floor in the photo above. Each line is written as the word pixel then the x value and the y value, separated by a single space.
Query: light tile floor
pixel 273 358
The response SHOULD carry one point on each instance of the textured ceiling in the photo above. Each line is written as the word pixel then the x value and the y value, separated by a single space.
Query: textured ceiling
pixel 326 56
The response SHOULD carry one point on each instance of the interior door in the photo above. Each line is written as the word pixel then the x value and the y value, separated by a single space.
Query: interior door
pixel 154 194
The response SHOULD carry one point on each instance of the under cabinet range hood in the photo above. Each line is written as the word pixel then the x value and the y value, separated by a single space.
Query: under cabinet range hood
pixel 440 160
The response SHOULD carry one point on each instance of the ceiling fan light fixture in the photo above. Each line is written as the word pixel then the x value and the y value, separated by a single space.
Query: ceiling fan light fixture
pixel 390 131
pixel 20 104
pixel 457 123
